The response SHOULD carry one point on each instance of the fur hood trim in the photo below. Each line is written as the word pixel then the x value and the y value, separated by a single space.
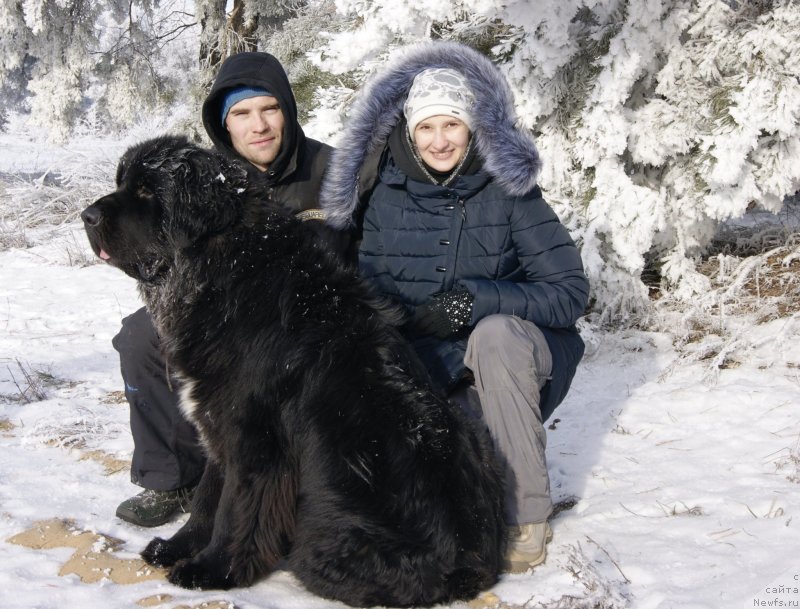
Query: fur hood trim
pixel 509 154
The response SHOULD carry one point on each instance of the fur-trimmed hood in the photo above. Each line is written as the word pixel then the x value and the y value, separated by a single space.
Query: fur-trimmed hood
pixel 508 153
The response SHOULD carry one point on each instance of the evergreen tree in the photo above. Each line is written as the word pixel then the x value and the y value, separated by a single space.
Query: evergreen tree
pixel 107 63
pixel 70 60
pixel 656 119
pixel 266 25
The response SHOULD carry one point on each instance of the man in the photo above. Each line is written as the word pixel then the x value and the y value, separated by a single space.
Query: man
pixel 251 114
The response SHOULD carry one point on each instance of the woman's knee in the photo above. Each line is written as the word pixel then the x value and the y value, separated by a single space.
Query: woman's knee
pixel 495 332
pixel 511 340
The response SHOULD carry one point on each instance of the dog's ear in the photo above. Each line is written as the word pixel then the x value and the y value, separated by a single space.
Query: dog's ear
pixel 206 193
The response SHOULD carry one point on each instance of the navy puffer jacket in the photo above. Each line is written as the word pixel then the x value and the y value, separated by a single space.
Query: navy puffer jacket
pixel 489 232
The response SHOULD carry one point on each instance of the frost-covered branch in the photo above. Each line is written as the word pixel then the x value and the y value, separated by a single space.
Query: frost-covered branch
pixel 656 120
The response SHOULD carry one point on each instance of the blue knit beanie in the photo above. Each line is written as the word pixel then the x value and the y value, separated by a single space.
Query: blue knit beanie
pixel 237 94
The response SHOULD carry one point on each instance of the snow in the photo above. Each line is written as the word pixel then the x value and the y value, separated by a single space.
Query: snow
pixel 680 480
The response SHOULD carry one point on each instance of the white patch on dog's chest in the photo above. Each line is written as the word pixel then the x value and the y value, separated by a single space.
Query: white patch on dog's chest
pixel 189 406
pixel 187 402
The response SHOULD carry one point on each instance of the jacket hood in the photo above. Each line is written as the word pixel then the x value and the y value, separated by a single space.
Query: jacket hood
pixel 508 153
pixel 255 69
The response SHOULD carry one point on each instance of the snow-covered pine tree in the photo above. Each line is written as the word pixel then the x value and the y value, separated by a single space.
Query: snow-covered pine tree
pixel 142 59
pixel 291 35
pixel 655 119
pixel 111 62
pixel 221 36
pixel 54 36
pixel 286 28
pixel 13 42
pixel 70 60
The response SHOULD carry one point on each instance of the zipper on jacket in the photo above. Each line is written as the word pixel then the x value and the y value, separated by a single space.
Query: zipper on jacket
pixel 459 222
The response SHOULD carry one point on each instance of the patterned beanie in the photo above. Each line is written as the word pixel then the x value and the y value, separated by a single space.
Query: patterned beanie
pixel 237 94
pixel 438 91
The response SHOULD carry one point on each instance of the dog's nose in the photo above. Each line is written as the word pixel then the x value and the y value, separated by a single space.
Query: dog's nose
pixel 92 215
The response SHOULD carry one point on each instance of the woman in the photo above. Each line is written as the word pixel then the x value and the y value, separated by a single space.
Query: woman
pixel 443 187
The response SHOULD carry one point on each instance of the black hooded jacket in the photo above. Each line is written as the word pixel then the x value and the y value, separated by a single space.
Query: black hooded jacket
pixel 293 179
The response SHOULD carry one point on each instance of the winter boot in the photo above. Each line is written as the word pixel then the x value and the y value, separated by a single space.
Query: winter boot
pixel 152 508
pixel 528 546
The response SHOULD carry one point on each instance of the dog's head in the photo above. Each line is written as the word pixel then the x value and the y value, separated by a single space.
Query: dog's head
pixel 170 194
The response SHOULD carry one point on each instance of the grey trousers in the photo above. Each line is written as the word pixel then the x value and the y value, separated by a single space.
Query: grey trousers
pixel 511 362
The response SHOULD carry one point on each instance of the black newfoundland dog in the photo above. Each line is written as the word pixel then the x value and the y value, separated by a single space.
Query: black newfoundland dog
pixel 324 447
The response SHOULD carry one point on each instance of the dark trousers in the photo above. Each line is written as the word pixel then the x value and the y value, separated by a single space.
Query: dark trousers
pixel 166 451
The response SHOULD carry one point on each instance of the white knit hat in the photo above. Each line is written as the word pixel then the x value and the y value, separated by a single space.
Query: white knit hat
pixel 438 91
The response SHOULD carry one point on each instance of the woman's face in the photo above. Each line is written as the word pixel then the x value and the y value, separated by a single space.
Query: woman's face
pixel 441 141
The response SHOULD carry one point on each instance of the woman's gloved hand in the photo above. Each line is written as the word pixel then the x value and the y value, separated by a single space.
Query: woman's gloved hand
pixel 445 315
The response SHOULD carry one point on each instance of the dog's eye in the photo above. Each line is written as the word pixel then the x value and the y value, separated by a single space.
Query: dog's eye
pixel 143 192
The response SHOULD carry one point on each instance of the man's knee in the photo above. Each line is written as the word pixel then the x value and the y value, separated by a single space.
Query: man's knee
pixel 137 336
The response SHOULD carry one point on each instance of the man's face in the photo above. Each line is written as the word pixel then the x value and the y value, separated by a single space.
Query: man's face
pixel 256 128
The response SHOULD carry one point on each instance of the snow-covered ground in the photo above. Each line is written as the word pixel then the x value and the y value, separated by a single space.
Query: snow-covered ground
pixel 679 482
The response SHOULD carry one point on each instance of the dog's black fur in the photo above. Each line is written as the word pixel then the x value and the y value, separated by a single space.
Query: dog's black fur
pixel 324 448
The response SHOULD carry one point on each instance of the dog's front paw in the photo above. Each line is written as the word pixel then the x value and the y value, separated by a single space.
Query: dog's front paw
pixel 161 553
pixel 200 575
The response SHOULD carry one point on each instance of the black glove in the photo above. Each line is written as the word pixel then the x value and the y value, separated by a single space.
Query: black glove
pixel 445 315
